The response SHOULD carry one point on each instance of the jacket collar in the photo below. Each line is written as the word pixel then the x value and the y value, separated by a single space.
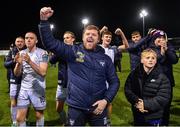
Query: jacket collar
pixel 97 49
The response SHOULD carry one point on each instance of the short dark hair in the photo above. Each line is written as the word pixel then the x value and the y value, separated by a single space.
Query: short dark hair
pixel 91 27
pixel 106 33
pixel 135 33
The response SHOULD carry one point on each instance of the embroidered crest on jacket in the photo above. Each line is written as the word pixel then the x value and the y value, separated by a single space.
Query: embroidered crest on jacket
pixel 80 57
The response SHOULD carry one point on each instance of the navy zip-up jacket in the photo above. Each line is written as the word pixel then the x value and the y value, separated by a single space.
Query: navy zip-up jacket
pixel 88 71
pixel 135 50
pixel 166 61
pixel 10 64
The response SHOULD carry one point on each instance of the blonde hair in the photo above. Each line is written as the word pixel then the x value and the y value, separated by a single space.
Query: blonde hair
pixel 71 33
pixel 147 52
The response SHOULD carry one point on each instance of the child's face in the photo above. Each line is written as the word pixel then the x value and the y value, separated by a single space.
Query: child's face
pixel 149 60
pixel 159 41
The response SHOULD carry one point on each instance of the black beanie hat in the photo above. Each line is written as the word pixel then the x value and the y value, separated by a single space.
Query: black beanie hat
pixel 158 33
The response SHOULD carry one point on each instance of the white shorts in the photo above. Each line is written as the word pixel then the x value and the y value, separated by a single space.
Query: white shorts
pixel 27 97
pixel 14 90
pixel 61 93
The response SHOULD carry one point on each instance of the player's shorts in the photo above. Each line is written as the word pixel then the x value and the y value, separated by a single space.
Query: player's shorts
pixel 36 98
pixel 14 89
pixel 61 93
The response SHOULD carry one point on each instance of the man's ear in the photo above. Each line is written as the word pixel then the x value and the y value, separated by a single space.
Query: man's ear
pixel 36 41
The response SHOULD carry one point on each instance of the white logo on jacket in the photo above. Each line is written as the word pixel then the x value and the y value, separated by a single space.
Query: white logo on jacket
pixel 152 80
pixel 102 63
pixel 71 121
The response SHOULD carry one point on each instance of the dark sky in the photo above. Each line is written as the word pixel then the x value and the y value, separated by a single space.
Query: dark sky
pixel 18 17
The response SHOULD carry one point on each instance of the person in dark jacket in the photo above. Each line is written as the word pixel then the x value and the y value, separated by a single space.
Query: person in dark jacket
pixel 14 81
pixel 69 38
pixel 88 70
pixel 117 61
pixel 134 53
pixel 134 47
pixel 148 90
pixel 167 57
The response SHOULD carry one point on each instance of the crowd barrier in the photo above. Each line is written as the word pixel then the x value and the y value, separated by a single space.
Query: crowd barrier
pixel 3 52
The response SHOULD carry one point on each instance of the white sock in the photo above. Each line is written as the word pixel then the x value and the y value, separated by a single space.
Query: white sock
pixel 40 122
pixel 13 113
pixel 23 124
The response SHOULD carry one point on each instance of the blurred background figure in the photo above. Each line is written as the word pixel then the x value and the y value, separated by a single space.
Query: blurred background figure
pixel 61 92
pixel 14 81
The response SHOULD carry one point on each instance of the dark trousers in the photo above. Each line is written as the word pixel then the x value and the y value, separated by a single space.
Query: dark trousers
pixel 79 117
pixel 139 120
pixel 117 63
pixel 166 115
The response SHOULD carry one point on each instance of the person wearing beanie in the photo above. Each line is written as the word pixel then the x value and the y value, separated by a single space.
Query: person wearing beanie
pixel 157 34
pixel 166 56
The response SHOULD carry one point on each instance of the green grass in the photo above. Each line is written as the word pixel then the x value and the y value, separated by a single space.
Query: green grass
pixel 121 115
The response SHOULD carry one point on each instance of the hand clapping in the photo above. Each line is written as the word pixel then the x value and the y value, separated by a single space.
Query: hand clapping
pixel 18 58
pixel 26 58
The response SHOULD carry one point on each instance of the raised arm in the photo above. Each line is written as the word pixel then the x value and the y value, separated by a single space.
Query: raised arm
pixel 120 33
pixel 52 44
pixel 105 28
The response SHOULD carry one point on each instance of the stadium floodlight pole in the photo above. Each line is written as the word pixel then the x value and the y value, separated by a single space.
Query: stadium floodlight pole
pixel 85 21
pixel 143 14
pixel 51 26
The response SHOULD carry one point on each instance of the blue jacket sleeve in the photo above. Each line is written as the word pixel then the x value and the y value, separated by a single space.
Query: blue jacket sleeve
pixel 9 61
pixel 142 43
pixel 113 82
pixel 171 55
pixel 56 46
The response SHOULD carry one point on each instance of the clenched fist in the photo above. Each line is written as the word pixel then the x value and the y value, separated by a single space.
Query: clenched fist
pixel 46 13
pixel 118 31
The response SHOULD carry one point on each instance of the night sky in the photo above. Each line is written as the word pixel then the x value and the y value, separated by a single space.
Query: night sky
pixel 18 17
